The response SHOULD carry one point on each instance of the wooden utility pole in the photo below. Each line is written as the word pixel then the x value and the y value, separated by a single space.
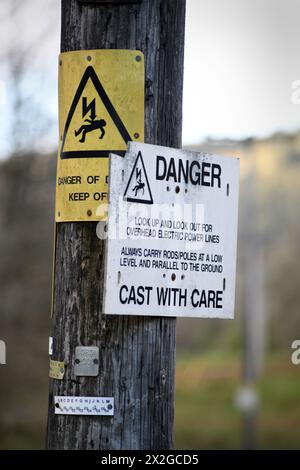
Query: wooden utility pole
pixel 137 354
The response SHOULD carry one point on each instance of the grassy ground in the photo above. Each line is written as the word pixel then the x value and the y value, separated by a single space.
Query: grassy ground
pixel 206 417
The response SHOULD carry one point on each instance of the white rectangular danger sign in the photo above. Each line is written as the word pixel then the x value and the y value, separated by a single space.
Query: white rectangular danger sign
pixel 172 233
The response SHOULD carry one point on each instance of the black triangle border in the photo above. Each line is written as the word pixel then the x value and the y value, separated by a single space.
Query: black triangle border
pixel 91 74
pixel 141 201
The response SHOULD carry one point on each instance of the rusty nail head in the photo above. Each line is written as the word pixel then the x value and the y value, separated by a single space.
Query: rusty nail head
pixel 89 213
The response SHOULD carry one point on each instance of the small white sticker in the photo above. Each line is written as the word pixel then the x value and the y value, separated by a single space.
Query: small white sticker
pixel 94 406
pixel 50 345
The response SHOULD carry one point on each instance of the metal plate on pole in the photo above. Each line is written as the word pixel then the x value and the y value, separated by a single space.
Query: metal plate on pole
pixel 86 361
pixel 93 406
pixel 106 2
pixel 101 109
pixel 172 233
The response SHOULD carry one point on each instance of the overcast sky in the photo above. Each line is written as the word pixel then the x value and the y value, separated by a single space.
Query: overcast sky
pixel 241 59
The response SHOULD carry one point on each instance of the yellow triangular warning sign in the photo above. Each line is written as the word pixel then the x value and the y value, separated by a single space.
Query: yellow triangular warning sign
pixel 93 127
pixel 101 108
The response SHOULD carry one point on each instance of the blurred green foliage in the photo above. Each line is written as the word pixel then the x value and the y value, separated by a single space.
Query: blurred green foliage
pixel 206 415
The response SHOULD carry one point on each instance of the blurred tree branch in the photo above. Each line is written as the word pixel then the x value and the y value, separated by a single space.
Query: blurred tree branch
pixel 25 32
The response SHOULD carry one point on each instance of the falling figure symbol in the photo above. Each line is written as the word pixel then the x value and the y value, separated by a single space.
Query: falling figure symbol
pixel 93 125
pixel 139 184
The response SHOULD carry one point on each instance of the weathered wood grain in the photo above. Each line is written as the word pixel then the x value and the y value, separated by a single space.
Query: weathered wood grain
pixel 137 354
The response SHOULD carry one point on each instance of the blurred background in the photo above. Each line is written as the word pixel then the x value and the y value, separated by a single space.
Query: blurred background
pixel 236 386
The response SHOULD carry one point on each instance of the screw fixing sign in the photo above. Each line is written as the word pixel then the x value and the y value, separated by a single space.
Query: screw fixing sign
pixel 101 109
